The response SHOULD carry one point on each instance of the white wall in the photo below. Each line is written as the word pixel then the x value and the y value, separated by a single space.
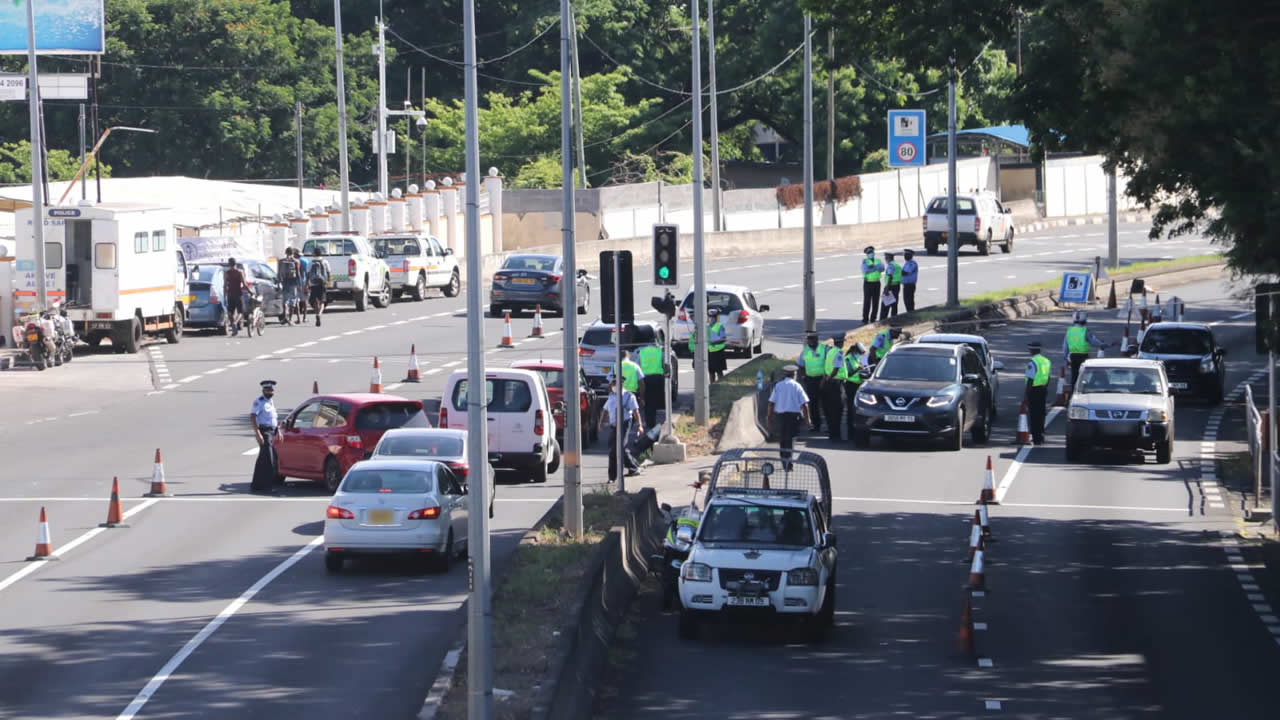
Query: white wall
pixel 1078 186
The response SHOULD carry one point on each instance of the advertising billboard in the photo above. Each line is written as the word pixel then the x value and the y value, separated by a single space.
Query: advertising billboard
pixel 63 27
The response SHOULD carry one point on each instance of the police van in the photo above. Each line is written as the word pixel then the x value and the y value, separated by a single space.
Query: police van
pixel 117 268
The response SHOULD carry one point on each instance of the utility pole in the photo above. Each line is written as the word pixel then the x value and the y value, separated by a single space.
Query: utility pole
pixel 701 379
pixel 480 604
pixel 953 258
pixel 1113 233
pixel 577 98
pixel 831 107
pixel 297 126
pixel 424 130
pixel 84 189
pixel 408 128
pixel 810 313
pixel 342 120
pixel 716 216
pixel 381 51
pixel 37 161
pixel 572 461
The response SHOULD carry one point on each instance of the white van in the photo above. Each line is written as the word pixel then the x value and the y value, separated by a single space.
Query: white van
pixel 522 429
pixel 117 266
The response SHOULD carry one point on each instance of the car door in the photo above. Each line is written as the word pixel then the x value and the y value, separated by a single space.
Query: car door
pixel 757 319
pixel 265 284
pixel 433 256
pixel 454 501
pixel 978 392
pixel 511 414
pixel 291 446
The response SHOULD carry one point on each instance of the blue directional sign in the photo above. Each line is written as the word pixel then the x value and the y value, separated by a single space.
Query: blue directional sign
pixel 906 138
pixel 1075 287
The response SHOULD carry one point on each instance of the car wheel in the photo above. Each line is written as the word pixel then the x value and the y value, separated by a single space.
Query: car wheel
pixel 554 465
pixel 956 441
pixel 332 475
pixel 828 611
pixel 1074 453
pixel 444 559
pixel 1164 451
pixel 1007 246
pixel 455 284
pixel 333 561
pixel 491 499
pixel 688 624
pixel 420 288
pixel 362 298
pixel 982 429
pixel 984 246
pixel 539 474
pixel 134 340
pixel 174 334
pixel 383 298
pixel 759 348
pixel 931 248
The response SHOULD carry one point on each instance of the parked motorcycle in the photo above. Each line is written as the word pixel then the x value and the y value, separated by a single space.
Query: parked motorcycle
pixel 676 551
pixel 38 341
pixel 65 338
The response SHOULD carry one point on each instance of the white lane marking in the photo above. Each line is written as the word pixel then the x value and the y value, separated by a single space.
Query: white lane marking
pixel 215 371
pixel 785 317
pixel 992 705
pixel 375 327
pixel 1007 481
pixel 176 661
pixel 282 351
pixel 308 343
pixel 68 547
pixel 84 412
pixel 242 363
pixel 170 386
pixel 186 380
pixel 452 363
pixel 353 332
pixel 253 451
pixel 432 371
pixel 446 313
pixel 790 287
pixel 822 310
pixel 327 338
pixel 985 663
pixel 393 386
pixel 399 322
pixel 263 357
pixel 1046 506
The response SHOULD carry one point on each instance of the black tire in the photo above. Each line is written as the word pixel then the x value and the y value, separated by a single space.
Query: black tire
pixel 930 248
pixel 981 431
pixel 828 611
pixel 133 342
pixel 1006 247
pixel 333 561
pixel 759 348
pixel 174 334
pixel 383 298
pixel 362 297
pixel 1074 452
pixel 984 246
pixel 420 288
pixel 455 285
pixel 538 474
pixel 444 560
pixel 1164 451
pixel 956 441
pixel 332 475
pixel 491 508
pixel 689 624
pixel 554 465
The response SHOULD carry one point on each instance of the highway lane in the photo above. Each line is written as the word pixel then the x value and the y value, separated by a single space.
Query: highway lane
pixel 222 546
pixel 1110 595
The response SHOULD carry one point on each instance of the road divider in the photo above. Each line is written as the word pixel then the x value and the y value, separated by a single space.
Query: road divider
pixel 536 332
pixel 506 332
pixel 988 494
pixel 1024 430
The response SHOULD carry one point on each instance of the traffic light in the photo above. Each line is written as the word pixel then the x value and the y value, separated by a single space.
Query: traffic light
pixel 1264 324
pixel 666 254
pixel 625 294
pixel 665 304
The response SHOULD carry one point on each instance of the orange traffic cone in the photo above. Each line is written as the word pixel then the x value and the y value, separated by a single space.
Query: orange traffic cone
pixel 158 487
pixel 375 381
pixel 977 573
pixel 1061 399
pixel 315 387
pixel 115 509
pixel 1024 428
pixel 44 545
pixel 964 639
pixel 975 538
pixel 1111 299
pixel 506 333
pixel 984 522
pixel 988 495
pixel 415 373
pixel 537 322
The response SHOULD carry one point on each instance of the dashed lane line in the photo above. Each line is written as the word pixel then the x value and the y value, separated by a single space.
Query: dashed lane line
pixel 1007 481
pixel 239 364
pixel 1038 506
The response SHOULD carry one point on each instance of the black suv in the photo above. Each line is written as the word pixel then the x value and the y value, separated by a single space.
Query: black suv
pixel 926 391
pixel 1192 358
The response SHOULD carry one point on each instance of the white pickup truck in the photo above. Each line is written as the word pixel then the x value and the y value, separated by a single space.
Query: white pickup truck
pixel 355 271
pixel 418 262
pixel 981 220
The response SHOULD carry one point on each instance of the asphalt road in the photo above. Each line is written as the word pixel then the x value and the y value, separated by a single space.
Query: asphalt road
pixel 230 585
pixel 1111 595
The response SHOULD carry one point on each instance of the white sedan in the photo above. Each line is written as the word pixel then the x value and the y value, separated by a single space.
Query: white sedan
pixel 397 507
pixel 442 444
pixel 740 315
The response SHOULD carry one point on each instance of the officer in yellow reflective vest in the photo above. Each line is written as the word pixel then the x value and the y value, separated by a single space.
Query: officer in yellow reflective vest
pixel 880 346
pixel 852 367
pixel 893 284
pixel 833 387
pixel 813 364
pixel 871 271
pixel 716 340
pixel 1038 371
pixel 1078 343
pixel 654 371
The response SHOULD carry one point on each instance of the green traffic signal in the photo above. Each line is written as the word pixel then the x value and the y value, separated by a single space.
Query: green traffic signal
pixel 664 272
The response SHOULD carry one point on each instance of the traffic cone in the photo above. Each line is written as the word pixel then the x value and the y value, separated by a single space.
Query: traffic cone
pixel 964 639
pixel 977 573
pixel 975 538
pixel 984 521
pixel 115 509
pixel 988 495
pixel 375 381
pixel 506 333
pixel 1124 343
pixel 1024 428
pixel 1142 309
pixel 315 387
pixel 158 487
pixel 1111 299
pixel 44 545
pixel 1061 399
pixel 415 373
pixel 537 322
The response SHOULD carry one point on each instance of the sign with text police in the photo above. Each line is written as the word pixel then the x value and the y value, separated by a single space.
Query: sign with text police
pixel 1075 287
pixel 906 138
pixel 63 27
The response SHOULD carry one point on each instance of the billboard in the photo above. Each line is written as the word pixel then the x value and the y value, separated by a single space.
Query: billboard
pixel 63 27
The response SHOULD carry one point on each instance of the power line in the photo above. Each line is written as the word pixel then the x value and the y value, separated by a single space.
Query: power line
pixel 459 66
pixel 771 71
pixel 650 121
pixel 871 76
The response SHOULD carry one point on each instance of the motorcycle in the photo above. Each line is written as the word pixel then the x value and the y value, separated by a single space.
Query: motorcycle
pixel 38 342
pixel 64 336
pixel 675 551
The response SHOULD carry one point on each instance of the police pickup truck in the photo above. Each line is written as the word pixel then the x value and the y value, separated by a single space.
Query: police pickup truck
pixel 355 270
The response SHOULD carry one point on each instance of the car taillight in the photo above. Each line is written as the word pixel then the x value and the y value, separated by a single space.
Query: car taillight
pixel 336 513
pixel 977 224
pixel 582 397
pixel 585 352
pixel 684 317
pixel 103 315
pixel 743 316
pixel 351 267
pixel 429 513
pixel 460 468
pixel 214 297
pixel 31 327
pixel 405 265
pixel 354 441
pixel 538 423
pixel 444 418
pixel 553 279
pixel 499 278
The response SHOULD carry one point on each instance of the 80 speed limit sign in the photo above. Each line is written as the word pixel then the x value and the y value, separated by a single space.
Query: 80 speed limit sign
pixel 906 152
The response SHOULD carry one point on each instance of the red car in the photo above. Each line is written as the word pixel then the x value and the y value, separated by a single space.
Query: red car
pixel 324 436
pixel 552 372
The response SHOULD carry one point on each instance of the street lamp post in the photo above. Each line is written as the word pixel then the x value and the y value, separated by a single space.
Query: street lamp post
pixel 93 153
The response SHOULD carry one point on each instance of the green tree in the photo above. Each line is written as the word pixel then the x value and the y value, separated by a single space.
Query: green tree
pixel 15 164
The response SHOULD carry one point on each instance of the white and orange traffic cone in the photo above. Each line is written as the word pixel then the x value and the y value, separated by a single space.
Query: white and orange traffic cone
pixel 975 538
pixel 537 322
pixel 1024 427
pixel 375 380
pixel 115 509
pixel 984 522
pixel 1061 399
pixel 964 639
pixel 158 487
pixel 44 545
pixel 977 572
pixel 1124 343
pixel 988 495
pixel 506 333
pixel 415 373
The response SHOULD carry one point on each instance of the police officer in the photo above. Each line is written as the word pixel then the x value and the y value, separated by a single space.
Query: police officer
pixel 263 417
pixel 632 377
pixel 629 416
pixel 851 374
pixel 871 271
pixel 910 276
pixel 716 338
pixel 893 284
pixel 833 387
pixel 791 404
pixel 1078 343
pixel 880 346
pixel 654 371
pixel 813 358
pixel 1037 390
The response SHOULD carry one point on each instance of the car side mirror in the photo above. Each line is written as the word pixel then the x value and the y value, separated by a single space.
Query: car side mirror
pixel 971 378
pixel 828 539
pixel 764 308
pixel 684 534
pixel 997 365
pixel 448 251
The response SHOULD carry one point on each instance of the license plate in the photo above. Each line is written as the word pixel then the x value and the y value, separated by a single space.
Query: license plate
pixel 100 325
pixel 380 517
pixel 748 601
pixel 900 418
pixel 32 337
pixel 1178 386
pixel 523 281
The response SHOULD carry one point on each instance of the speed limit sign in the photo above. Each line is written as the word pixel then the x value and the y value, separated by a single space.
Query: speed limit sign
pixel 906 152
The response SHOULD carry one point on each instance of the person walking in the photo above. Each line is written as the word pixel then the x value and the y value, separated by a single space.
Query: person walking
pixel 1037 390
pixel 234 290
pixel 833 388
pixel 654 370
pixel 791 404
pixel 813 358
pixel 317 282
pixel 910 276
pixel 871 271
pixel 303 300
pixel 264 419
pixel 851 373
pixel 1078 343
pixel 893 285
pixel 290 274
pixel 630 418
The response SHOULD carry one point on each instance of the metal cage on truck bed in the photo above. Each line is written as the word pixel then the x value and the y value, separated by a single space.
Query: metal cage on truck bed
pixel 765 469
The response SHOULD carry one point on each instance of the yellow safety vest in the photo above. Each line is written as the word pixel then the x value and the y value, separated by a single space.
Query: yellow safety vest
pixel 869 273
pixel 711 347
pixel 1042 370
pixel 833 356
pixel 894 273
pixel 850 372
pixel 630 376
pixel 888 343
pixel 1077 339
pixel 651 360
pixel 814 360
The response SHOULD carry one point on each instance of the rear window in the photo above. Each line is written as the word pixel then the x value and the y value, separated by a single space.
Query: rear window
pixel 333 246
pixel 394 482
pixel 722 301
pixel 398 246
pixel 552 378
pixel 421 446
pixel 964 206
pixel 530 262
pixel 384 416
pixel 205 274
pixel 632 335
pixel 977 347
pixel 501 395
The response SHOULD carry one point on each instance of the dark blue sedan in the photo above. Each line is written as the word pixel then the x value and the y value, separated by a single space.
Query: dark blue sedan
pixel 526 280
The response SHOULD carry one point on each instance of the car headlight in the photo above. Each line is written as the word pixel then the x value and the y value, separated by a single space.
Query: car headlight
pixel 941 400
pixel 866 398
pixel 1157 415
pixel 1206 364
pixel 695 572
pixel 802 576
pixel 1078 412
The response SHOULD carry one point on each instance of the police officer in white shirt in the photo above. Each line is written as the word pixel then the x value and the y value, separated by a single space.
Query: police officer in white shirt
pixel 630 423
pixel 791 404
pixel 264 418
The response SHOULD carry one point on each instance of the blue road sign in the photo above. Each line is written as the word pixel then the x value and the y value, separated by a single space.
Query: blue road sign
pixel 906 138
pixel 1075 287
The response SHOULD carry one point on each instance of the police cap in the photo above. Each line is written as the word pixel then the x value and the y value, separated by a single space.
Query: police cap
pixel 869 249
pixel 1035 346
pixel 789 369
pixel 268 384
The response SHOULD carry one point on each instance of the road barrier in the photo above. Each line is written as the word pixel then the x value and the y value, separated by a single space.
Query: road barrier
pixel 315 387
pixel 975 537
pixel 44 546
pixel 984 520
pixel 375 380
pixel 977 573
pixel 1061 399
pixel 415 373
pixel 964 639
pixel 158 487
pixel 115 509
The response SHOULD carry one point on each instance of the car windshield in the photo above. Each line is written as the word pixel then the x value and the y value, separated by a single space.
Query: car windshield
pixel 398 246
pixel 1179 341
pixel 394 482
pixel 977 347
pixel 918 366
pixel 540 263
pixel 1127 380
pixel 964 206
pixel 502 395
pixel 384 416
pixel 757 524
pixel 329 246
pixel 421 445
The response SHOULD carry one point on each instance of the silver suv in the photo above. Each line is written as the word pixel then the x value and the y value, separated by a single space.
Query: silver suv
pixel 1121 404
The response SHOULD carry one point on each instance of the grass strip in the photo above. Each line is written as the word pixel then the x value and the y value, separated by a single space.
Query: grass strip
pixel 738 383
